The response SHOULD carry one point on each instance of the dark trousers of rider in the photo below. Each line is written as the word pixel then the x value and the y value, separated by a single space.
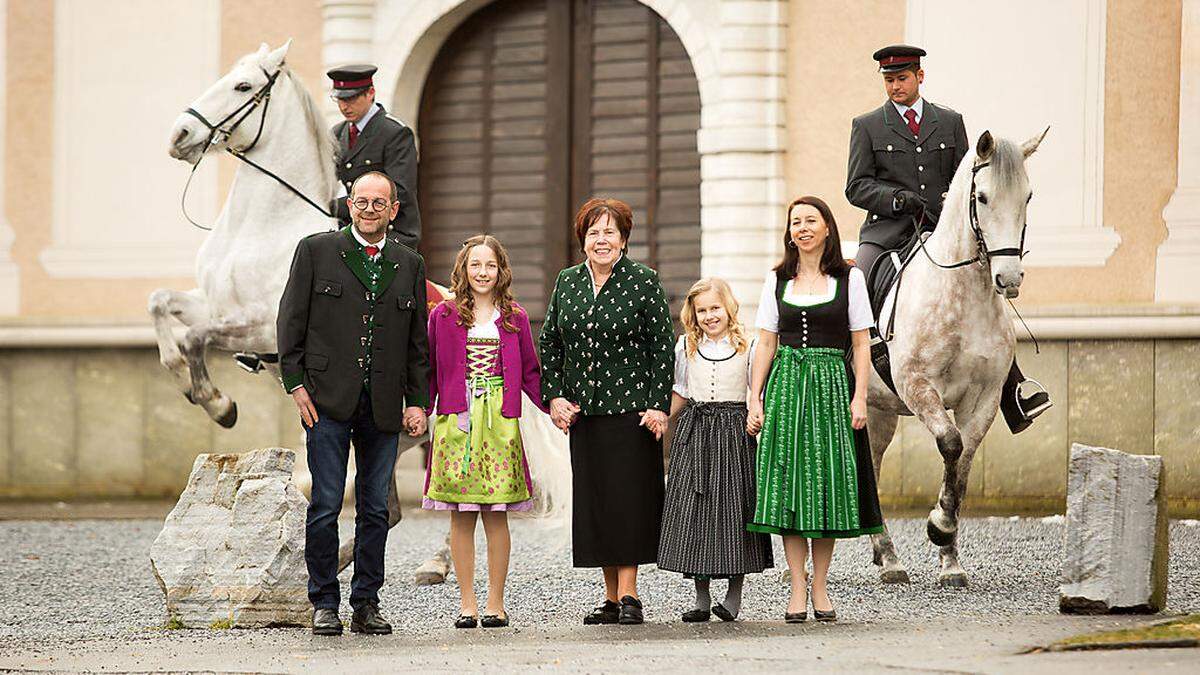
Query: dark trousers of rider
pixel 867 254
pixel 375 459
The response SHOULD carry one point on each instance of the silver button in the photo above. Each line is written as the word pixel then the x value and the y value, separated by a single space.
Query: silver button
pixel 874 217
pixel 918 148
pixel 922 187
pixel 942 146
pixel 368 161
pixel 889 148
pixel 920 168
pixel 589 326
pixel 348 165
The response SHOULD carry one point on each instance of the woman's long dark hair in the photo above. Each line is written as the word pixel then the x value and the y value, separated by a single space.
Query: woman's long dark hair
pixel 832 261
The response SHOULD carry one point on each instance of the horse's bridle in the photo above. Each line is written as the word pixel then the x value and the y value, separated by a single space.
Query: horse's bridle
pixel 219 133
pixel 983 255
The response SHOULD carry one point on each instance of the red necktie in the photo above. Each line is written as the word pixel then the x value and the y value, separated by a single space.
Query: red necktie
pixel 910 115
pixel 353 134
pixel 372 251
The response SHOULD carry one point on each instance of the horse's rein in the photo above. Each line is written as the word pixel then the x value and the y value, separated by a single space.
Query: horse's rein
pixel 219 133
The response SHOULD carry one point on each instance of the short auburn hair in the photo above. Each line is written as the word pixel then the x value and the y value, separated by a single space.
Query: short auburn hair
pixel 594 208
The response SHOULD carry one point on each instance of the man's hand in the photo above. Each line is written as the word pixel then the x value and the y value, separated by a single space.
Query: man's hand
pixel 415 420
pixel 655 421
pixel 308 411
pixel 562 413
pixel 907 201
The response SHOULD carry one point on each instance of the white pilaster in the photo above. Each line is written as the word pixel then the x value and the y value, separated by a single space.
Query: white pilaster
pixel 1179 255
pixel 347 35
pixel 10 275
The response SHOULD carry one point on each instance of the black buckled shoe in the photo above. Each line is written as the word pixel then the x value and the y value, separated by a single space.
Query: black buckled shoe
pixel 631 611
pixel 494 621
pixel 466 621
pixel 609 612
pixel 326 622
pixel 367 619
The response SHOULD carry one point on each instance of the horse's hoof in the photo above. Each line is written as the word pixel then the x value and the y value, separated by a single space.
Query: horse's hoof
pixel 953 580
pixel 876 558
pixel 899 576
pixel 938 536
pixel 229 418
pixel 430 578
pixel 188 396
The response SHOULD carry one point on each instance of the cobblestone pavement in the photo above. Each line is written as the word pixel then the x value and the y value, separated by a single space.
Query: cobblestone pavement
pixel 80 595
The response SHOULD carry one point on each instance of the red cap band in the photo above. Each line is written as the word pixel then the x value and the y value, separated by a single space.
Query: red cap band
pixel 893 60
pixel 351 84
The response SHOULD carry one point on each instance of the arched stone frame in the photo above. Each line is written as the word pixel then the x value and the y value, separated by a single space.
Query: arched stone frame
pixel 738 53
pixel 10 275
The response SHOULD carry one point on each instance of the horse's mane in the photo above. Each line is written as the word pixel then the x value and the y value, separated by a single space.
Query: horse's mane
pixel 316 126
pixel 1008 165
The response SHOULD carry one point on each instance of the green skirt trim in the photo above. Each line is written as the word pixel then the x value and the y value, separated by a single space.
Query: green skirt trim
pixel 807 472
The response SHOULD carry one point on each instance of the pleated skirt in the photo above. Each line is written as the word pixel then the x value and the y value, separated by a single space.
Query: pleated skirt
pixel 710 496
pixel 617 478
pixel 814 472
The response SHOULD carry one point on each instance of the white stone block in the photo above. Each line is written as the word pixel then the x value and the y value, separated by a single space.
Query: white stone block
pixel 232 549
pixel 763 12
pixel 1116 542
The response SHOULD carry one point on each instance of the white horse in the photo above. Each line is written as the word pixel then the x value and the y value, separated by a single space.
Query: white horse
pixel 953 342
pixel 261 111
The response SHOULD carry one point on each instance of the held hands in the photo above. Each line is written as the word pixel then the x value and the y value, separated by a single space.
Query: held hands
pixel 563 413
pixel 655 421
pixel 754 418
pixel 415 421
pixel 308 411
pixel 858 412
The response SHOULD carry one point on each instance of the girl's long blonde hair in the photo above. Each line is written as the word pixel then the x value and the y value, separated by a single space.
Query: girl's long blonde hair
pixel 464 300
pixel 691 328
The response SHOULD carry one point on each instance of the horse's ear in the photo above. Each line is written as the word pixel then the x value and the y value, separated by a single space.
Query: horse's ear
pixel 263 49
pixel 985 146
pixel 1030 146
pixel 275 59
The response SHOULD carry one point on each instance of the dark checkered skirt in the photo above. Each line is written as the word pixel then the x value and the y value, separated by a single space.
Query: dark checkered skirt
pixel 710 496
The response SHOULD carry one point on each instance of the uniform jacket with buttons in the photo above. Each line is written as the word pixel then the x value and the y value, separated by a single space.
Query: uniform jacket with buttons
pixel 386 145
pixel 612 353
pixel 885 158
pixel 323 322
pixel 448 362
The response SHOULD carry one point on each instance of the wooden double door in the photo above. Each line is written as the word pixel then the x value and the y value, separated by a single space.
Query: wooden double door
pixel 533 106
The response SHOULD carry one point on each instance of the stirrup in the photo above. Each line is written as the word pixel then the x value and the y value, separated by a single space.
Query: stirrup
pixel 253 362
pixel 1038 404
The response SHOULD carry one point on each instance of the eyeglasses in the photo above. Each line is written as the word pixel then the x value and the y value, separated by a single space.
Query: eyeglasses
pixel 363 204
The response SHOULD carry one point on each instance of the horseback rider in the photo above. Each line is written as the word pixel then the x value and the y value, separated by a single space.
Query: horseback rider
pixel 902 158
pixel 371 140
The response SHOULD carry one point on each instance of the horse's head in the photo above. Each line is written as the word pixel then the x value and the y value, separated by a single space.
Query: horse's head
pixel 1000 194
pixel 215 119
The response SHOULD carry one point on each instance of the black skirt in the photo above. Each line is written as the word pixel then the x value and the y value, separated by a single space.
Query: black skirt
pixel 617 469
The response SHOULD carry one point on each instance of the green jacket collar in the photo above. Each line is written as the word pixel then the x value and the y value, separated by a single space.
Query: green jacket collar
pixel 350 253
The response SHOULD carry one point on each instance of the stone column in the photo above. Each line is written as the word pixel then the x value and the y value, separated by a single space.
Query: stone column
pixel 1179 255
pixel 348 34
pixel 10 282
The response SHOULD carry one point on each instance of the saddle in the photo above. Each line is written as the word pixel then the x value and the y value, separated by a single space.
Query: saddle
pixel 882 280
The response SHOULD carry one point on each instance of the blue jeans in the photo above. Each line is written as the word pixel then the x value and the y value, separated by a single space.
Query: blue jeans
pixel 375 458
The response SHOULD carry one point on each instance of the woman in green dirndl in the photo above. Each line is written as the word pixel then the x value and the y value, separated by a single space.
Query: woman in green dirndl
pixel 814 474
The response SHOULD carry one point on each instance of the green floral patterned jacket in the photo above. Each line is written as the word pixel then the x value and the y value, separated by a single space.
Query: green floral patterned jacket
pixel 613 353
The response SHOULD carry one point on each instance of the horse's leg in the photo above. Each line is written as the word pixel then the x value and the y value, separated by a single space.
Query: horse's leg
pixel 225 334
pixel 190 309
pixel 881 427
pixel 926 403
pixel 973 425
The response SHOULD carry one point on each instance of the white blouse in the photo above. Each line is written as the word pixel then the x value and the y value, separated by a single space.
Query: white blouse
pixel 861 317
pixel 487 329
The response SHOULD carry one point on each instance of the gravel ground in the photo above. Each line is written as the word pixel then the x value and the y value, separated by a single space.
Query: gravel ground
pixel 80 580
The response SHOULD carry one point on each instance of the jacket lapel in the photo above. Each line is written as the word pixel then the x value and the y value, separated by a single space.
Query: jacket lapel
pixel 366 132
pixel 929 121
pixel 389 265
pixel 343 139
pixel 892 119
pixel 348 249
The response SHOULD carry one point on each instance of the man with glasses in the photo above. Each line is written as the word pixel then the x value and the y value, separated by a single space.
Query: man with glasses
pixel 354 355
pixel 371 140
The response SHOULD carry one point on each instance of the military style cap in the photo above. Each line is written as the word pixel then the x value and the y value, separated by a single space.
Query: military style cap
pixel 898 57
pixel 350 81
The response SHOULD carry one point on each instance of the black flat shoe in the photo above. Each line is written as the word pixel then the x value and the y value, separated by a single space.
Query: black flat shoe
pixel 824 617
pixel 631 611
pixel 609 612
pixel 368 620
pixel 494 621
pixel 696 616
pixel 326 622
pixel 795 617
pixel 466 621
pixel 723 613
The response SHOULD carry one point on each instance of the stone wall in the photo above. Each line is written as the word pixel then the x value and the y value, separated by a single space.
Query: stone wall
pixel 108 422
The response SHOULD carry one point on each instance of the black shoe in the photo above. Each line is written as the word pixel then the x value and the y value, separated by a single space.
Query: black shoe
pixel 1019 410
pixel 609 612
pixel 824 617
pixel 367 619
pixel 466 621
pixel 494 621
pixel 326 622
pixel 696 616
pixel 723 613
pixel 795 617
pixel 631 611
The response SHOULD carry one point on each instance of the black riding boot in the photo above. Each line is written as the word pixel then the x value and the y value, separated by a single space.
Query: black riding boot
pixel 1019 410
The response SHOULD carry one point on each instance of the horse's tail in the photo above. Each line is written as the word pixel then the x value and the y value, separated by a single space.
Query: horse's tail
pixel 549 464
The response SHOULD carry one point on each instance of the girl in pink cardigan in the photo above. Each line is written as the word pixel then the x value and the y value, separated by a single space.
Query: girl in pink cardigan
pixel 481 358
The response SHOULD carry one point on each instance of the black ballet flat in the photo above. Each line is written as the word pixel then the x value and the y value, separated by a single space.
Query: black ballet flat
pixel 466 621
pixel 795 617
pixel 494 621
pixel 824 617
pixel 723 613
pixel 609 612
pixel 696 616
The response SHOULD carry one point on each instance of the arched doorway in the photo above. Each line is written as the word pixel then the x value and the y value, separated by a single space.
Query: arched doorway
pixel 532 106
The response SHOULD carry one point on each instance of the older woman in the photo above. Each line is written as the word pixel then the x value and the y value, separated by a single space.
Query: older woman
pixel 607 358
